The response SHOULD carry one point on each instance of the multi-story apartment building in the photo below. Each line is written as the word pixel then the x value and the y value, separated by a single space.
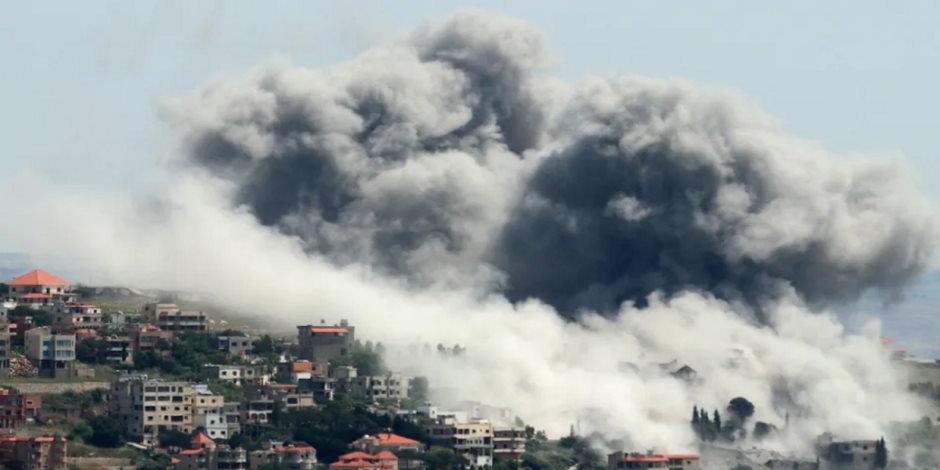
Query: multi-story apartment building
pixel 232 413
pixel 623 460
pixel 379 387
pixel 119 349
pixel 17 409
pixel 6 343
pixel 472 439
pixel 326 343
pixel 297 456
pixel 235 346
pixel 257 405
pixel 295 371
pixel 169 317
pixel 235 373
pixel 208 413
pixel 509 442
pixel 150 338
pixel 51 353
pixel 40 453
pixel 144 407
pixel 72 315
pixel 205 454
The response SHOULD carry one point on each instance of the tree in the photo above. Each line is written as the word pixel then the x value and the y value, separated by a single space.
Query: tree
pixel 104 432
pixel 92 351
pixel 173 438
pixel 694 415
pixel 717 421
pixel 741 408
pixel 881 454
pixel 762 429
pixel 418 389
pixel 443 458
pixel 265 345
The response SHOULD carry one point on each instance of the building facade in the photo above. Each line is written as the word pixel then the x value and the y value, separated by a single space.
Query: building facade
pixel 297 456
pixel 17 409
pixel 52 354
pixel 39 453
pixel 145 407
pixel 624 460
pixel 326 343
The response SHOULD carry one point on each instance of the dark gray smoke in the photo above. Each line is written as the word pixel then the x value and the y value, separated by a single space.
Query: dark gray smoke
pixel 441 159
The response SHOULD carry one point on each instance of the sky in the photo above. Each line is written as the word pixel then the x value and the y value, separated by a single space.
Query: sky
pixel 83 82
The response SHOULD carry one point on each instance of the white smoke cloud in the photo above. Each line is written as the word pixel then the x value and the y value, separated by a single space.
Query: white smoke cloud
pixel 442 167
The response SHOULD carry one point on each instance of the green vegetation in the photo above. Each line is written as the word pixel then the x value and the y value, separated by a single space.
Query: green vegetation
pixel 105 432
pixel 367 359
pixel 92 351
pixel 174 438
pixel 40 317
pixel 188 353
pixel 231 392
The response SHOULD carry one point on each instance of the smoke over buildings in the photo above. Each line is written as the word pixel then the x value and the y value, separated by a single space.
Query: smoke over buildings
pixel 441 189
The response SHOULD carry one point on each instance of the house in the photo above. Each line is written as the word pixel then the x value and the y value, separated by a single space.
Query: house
pixel 6 350
pixel 379 387
pixel 41 453
pixel 835 454
pixel 326 343
pixel 235 346
pixel 52 354
pixel 205 454
pixel 235 373
pixel 296 456
pixel 295 371
pixel 363 461
pixel 144 407
pixel 386 441
pixel 119 349
pixel 509 442
pixel 169 317
pixel 38 289
pixel 150 338
pixel 232 413
pixel 261 400
pixel 619 460
pixel 17 409
pixel 472 439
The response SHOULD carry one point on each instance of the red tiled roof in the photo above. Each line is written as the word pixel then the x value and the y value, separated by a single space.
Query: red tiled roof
pixel 351 463
pixel 645 458
pixel 328 329
pixel 296 448
pixel 201 438
pixel 37 277
pixel 395 439
pixel 35 296
pixel 191 451
pixel 682 456
pixel 356 455
pixel 386 455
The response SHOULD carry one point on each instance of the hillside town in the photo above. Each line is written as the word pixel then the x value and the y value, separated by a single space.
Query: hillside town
pixel 174 389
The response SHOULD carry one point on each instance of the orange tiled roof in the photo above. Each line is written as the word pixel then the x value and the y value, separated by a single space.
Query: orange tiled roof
pixel 37 277
pixel 201 438
pixel 356 455
pixel 682 456
pixel 191 451
pixel 386 455
pixel 295 448
pixel 395 439
pixel 329 329
pixel 35 296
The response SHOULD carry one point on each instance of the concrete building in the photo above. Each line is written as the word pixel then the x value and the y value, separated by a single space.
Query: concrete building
pixel 845 455
pixel 38 289
pixel 208 413
pixel 235 373
pixel 235 346
pixel 145 407
pixel 205 454
pixel 326 343
pixel 17 409
pixel 472 439
pixel 621 460
pixel 323 388
pixel 6 350
pixel 183 320
pixel 120 349
pixel 52 354
pixel 390 442
pixel 509 442
pixel 150 338
pixel 295 371
pixel 261 400
pixel 72 315
pixel 297 456
pixel 380 387
pixel 34 453
pixel 232 413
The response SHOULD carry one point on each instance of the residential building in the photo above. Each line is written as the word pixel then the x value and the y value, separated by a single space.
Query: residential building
pixel 289 397
pixel 120 349
pixel 509 442
pixel 6 306
pixel 847 455
pixel 261 400
pixel 150 338
pixel 386 441
pixel 183 320
pixel 235 346
pixel 379 387
pixel 363 461
pixel 34 453
pixel 17 409
pixel 296 456
pixel 474 441
pixel 51 353
pixel 152 311
pixel 232 413
pixel 205 454
pixel 235 373
pixel 323 388
pixel 620 460
pixel 72 315
pixel 38 289
pixel 326 343
pixel 144 407
pixel 208 413
pixel 6 350
pixel 295 371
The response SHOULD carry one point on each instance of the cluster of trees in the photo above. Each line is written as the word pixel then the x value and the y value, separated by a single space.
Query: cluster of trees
pixel 738 412
pixel 188 352
pixel 366 358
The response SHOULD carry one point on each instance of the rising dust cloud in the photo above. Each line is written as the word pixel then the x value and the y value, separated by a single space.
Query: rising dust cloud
pixel 572 237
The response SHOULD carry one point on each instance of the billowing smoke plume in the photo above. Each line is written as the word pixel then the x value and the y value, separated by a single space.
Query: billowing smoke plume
pixel 427 188
pixel 436 160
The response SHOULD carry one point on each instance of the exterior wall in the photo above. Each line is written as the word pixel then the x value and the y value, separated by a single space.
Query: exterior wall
pixel 509 442
pixel 5 353
pixel 18 409
pixel 235 346
pixel 298 457
pixel 52 354
pixel 475 442
pixel 392 387
pixel 47 453
pixel 237 374
pixel 326 343
pixel 145 407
